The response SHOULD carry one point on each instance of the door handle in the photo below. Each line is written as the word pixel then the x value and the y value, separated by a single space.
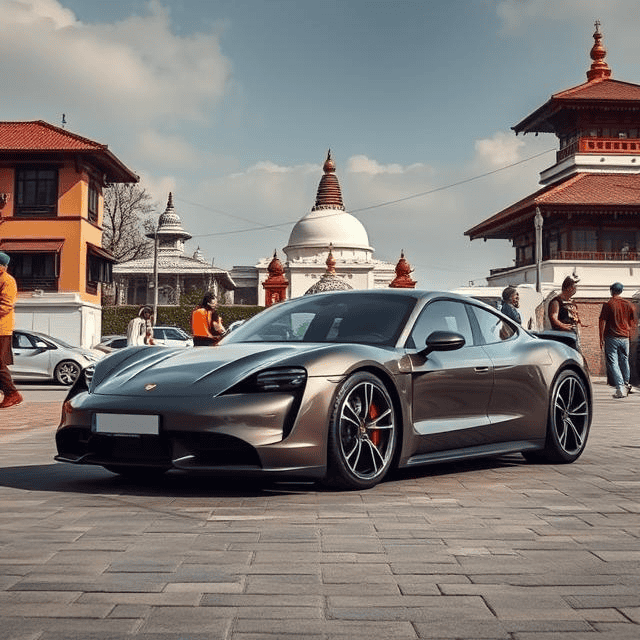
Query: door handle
pixel 481 369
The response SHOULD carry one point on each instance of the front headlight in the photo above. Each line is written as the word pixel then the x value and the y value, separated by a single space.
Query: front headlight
pixel 281 379
pixel 92 357
pixel 272 380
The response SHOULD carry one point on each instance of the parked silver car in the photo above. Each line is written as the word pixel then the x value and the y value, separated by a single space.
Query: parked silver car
pixel 37 356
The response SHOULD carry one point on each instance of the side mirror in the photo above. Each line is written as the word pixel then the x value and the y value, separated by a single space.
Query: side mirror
pixel 443 341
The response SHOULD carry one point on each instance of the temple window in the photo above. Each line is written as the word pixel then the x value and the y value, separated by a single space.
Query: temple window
pixel 584 240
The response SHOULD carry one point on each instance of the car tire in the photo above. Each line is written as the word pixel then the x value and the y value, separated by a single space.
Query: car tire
pixel 67 372
pixel 568 421
pixel 363 433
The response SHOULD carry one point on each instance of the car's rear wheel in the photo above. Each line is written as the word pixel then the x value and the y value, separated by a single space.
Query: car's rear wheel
pixel 66 372
pixel 362 433
pixel 569 421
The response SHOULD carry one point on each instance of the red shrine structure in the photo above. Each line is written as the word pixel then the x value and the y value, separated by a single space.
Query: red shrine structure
pixel 403 279
pixel 585 220
pixel 276 284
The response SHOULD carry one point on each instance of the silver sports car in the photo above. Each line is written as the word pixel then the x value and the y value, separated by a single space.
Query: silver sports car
pixel 339 387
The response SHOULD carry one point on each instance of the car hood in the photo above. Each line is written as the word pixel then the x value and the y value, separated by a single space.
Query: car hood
pixel 192 372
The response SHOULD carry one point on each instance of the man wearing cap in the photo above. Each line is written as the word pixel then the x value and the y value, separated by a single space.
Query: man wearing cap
pixel 617 325
pixel 510 304
pixel 8 295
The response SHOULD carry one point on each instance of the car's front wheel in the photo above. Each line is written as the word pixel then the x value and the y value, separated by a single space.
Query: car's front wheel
pixel 67 372
pixel 569 420
pixel 362 433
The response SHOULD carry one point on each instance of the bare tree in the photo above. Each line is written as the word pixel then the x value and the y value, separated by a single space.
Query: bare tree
pixel 127 217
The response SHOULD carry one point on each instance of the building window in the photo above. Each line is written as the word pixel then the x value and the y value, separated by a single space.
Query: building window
pixel 93 201
pixel 36 192
pixel 99 268
pixel 35 270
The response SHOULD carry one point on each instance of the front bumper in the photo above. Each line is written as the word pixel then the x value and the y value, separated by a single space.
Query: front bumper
pixel 247 434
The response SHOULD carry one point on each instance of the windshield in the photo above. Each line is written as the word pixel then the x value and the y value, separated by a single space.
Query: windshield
pixel 345 317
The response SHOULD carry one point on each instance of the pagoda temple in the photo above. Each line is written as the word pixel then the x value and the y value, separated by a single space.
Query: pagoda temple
pixel 177 273
pixel 585 220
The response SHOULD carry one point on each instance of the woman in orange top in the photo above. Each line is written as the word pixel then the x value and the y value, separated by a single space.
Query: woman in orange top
pixel 206 323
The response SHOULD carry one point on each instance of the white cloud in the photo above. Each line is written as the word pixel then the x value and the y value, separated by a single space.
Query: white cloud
pixel 363 164
pixel 22 12
pixel 136 70
pixel 500 150
pixel 158 188
pixel 166 150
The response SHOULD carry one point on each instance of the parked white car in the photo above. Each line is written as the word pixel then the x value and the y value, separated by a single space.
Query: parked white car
pixel 171 337
pixel 37 356
pixel 162 336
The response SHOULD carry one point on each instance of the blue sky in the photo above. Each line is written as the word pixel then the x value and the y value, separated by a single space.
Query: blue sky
pixel 232 105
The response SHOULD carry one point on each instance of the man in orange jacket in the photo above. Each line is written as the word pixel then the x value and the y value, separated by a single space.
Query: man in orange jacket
pixel 8 295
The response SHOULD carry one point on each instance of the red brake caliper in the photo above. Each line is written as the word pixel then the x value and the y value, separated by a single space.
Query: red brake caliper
pixel 374 434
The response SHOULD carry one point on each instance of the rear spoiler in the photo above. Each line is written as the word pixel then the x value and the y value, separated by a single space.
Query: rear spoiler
pixel 566 337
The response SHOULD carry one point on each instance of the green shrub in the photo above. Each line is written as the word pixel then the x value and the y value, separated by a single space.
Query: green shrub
pixel 116 319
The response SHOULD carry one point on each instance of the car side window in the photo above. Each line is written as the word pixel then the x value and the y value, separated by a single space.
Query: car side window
pixel 492 327
pixel 440 315
pixel 172 334
pixel 22 341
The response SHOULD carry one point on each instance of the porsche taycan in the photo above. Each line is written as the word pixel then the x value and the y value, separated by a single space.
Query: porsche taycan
pixel 339 387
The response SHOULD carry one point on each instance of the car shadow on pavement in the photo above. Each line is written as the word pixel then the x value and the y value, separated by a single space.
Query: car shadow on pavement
pixel 95 480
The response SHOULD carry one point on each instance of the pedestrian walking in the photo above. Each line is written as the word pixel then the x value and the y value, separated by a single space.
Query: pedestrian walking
pixel 617 325
pixel 510 304
pixel 8 295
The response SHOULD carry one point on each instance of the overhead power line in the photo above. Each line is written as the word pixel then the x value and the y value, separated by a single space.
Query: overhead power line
pixel 288 223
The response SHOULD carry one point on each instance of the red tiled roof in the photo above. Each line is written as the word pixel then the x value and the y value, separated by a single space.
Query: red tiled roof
pixel 601 90
pixel 42 136
pixel 38 136
pixel 615 93
pixel 583 189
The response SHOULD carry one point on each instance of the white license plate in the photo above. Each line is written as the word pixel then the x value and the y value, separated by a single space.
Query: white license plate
pixel 127 424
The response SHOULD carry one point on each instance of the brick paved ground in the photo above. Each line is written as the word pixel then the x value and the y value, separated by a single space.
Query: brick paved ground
pixel 484 550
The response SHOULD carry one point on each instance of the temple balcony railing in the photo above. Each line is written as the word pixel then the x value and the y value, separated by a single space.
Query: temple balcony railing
pixel 600 145
pixel 585 255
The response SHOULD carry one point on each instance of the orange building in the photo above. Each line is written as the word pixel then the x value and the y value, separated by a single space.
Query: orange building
pixel 51 206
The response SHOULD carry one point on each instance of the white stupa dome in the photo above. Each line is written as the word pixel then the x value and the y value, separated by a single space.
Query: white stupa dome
pixel 328 222
pixel 329 226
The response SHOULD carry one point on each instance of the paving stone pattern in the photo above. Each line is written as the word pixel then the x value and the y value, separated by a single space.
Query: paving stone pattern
pixel 490 550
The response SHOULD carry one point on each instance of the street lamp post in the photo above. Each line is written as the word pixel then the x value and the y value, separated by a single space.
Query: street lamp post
pixel 538 222
pixel 155 276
